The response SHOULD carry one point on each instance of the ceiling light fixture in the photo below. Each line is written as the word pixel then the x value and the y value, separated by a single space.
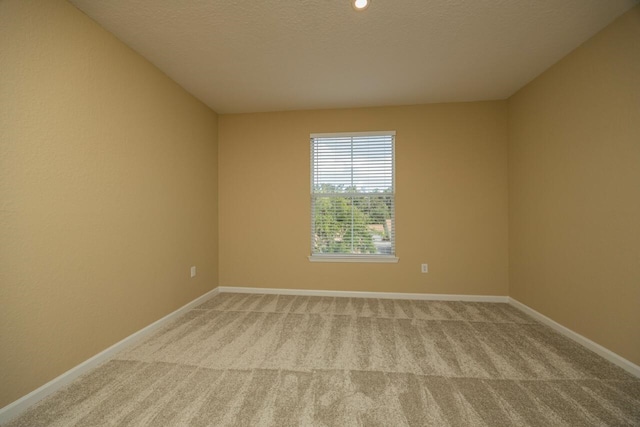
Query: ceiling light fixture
pixel 360 4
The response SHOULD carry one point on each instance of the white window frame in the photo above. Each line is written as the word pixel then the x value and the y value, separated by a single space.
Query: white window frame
pixel 359 258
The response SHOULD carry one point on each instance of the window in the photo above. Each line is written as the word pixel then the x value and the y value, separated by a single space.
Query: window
pixel 353 197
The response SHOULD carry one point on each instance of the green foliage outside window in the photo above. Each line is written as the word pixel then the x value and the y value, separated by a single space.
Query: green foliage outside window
pixel 347 222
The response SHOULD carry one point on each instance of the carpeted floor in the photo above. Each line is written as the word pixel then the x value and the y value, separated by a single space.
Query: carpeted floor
pixel 269 360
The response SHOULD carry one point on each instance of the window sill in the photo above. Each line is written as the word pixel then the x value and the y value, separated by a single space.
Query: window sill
pixel 354 258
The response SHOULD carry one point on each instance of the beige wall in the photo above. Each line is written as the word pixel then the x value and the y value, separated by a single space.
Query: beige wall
pixel 451 179
pixel 574 193
pixel 107 193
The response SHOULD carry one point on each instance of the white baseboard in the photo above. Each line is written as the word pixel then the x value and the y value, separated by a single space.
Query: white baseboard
pixel 14 409
pixel 609 355
pixel 358 294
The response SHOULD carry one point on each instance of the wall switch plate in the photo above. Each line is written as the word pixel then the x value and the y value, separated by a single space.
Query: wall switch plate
pixel 425 268
pixel 193 271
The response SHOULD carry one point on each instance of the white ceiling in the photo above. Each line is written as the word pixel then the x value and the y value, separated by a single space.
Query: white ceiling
pixel 270 55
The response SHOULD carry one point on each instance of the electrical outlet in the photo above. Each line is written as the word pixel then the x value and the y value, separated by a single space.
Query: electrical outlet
pixel 193 271
pixel 425 268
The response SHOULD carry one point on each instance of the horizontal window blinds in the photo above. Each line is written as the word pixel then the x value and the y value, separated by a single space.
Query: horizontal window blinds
pixel 352 193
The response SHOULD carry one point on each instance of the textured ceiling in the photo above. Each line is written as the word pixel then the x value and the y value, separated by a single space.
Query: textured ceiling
pixel 269 55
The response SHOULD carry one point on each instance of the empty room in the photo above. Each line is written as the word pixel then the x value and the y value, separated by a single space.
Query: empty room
pixel 319 213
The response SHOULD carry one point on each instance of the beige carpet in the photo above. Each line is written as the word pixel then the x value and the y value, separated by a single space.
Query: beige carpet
pixel 269 360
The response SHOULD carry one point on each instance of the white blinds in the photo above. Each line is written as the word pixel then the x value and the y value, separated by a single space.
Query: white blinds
pixel 353 164
pixel 352 193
